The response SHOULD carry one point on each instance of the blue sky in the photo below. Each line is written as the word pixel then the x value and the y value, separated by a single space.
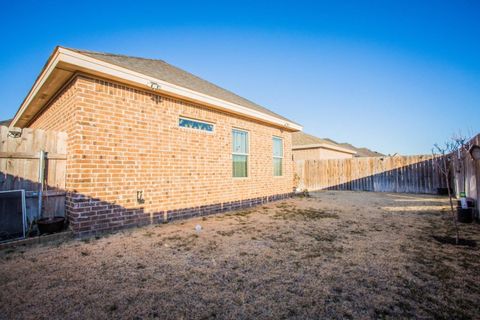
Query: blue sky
pixel 394 76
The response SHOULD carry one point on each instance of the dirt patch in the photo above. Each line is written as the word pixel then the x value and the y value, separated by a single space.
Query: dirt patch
pixel 329 255
pixel 291 212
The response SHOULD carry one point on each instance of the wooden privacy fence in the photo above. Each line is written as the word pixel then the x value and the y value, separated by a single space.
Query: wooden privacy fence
pixel 467 174
pixel 415 174
pixel 22 167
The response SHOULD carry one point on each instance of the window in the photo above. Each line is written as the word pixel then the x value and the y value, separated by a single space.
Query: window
pixel 277 156
pixel 239 153
pixel 195 124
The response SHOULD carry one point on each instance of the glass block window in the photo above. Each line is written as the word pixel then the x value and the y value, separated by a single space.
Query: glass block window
pixel 195 124
pixel 277 156
pixel 239 153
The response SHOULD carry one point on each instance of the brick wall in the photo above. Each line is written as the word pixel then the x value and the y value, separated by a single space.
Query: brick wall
pixel 306 154
pixel 126 140
pixel 332 154
pixel 59 114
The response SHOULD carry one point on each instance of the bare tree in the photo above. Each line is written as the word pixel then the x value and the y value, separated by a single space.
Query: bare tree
pixel 444 157
pixel 450 160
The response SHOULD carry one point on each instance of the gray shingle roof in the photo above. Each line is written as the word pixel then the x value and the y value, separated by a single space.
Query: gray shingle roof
pixel 163 71
pixel 361 152
pixel 302 138
pixel 5 122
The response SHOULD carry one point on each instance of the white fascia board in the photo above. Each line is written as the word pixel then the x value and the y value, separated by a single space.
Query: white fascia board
pixel 36 87
pixel 83 61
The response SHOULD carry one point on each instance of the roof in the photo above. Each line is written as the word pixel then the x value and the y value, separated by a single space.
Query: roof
pixel 5 122
pixel 361 151
pixel 145 73
pixel 165 71
pixel 302 140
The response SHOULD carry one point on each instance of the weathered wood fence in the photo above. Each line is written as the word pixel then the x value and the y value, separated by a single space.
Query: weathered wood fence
pixel 20 163
pixel 467 174
pixel 415 174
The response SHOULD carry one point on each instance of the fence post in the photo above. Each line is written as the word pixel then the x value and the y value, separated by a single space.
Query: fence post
pixel 41 180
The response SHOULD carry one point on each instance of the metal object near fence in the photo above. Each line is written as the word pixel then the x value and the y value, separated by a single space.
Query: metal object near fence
pixel 13 218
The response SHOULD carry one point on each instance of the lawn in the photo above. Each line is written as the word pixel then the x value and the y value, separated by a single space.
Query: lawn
pixel 331 255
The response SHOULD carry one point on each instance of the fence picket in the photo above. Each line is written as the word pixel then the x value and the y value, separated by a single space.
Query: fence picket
pixel 19 166
pixel 415 174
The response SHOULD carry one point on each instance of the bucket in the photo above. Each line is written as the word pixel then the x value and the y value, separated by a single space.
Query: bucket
pixel 464 215
pixel 50 225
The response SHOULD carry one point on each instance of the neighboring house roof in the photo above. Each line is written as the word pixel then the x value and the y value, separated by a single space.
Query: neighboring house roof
pixel 301 140
pixel 149 74
pixel 5 122
pixel 361 152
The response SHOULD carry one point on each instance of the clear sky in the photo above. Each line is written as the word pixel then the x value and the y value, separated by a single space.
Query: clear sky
pixel 394 76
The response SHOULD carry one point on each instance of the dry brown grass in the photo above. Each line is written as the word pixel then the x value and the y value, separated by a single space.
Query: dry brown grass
pixel 334 255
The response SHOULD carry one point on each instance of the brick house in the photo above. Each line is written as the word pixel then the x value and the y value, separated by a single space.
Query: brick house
pixel 308 147
pixel 148 142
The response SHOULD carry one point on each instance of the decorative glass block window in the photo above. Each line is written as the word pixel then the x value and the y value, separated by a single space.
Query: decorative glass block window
pixel 195 124
pixel 277 156
pixel 239 153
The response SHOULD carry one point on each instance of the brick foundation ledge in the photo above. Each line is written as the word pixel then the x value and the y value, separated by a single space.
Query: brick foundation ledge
pixel 137 218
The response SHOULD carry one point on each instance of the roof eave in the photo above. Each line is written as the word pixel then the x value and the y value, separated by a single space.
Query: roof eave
pixel 41 78
pixel 97 67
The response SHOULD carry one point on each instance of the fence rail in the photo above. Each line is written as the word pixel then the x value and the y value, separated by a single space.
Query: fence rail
pixel 20 156
pixel 413 174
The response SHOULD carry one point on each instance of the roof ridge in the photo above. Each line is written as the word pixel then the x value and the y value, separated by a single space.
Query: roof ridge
pixel 113 54
pixel 172 66
pixel 322 140
pixel 164 71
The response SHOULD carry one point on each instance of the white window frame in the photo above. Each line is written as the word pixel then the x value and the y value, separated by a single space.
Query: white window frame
pixel 247 155
pixel 277 157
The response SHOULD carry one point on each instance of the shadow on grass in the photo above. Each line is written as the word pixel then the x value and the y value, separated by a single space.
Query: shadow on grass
pixel 452 241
